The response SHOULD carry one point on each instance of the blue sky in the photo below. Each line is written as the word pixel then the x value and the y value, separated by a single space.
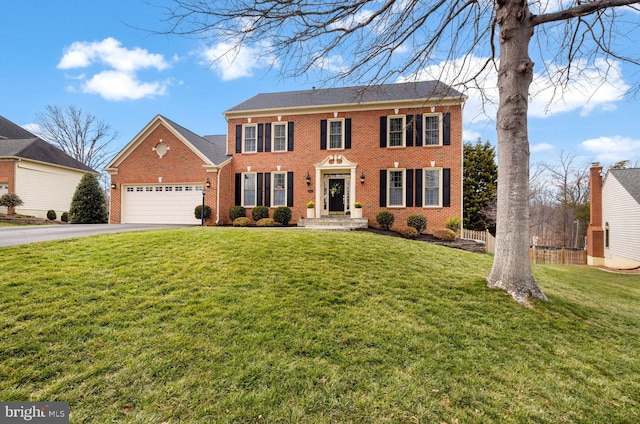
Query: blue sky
pixel 91 55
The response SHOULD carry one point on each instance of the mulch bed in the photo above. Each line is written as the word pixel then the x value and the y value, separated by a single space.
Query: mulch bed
pixel 469 245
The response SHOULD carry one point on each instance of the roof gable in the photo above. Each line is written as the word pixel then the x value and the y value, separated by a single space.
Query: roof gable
pixel 211 149
pixel 422 90
pixel 629 179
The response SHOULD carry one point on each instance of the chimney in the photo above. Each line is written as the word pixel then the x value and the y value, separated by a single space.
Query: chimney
pixel 595 232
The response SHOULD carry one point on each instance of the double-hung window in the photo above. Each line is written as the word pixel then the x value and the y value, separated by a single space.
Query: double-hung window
pixel 249 189
pixel 336 133
pixel 396 131
pixel 432 129
pixel 279 134
pixel 432 187
pixel 249 138
pixel 279 189
pixel 396 192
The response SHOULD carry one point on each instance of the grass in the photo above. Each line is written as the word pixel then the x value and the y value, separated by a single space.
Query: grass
pixel 203 325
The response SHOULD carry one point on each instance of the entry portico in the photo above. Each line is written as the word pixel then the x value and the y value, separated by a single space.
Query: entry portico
pixel 335 186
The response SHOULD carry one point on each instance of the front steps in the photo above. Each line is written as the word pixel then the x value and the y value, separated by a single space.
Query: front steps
pixel 339 222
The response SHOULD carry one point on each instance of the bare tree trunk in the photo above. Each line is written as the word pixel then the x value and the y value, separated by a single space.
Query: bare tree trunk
pixel 511 267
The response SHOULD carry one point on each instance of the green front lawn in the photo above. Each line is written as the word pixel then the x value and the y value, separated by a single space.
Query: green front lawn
pixel 296 326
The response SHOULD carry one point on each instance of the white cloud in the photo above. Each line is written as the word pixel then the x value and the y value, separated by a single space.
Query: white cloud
pixel 612 149
pixel 470 135
pixel 598 86
pixel 120 80
pixel 232 60
pixel 541 147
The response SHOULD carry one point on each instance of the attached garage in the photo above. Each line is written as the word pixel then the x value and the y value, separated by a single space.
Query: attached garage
pixel 161 203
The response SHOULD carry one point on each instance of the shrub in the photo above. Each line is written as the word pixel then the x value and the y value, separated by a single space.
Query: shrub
pixel 237 212
pixel 385 219
pixel 408 232
pixel 419 222
pixel 198 212
pixel 453 223
pixel 265 222
pixel 88 205
pixel 259 212
pixel 282 214
pixel 51 215
pixel 11 200
pixel 241 221
pixel 311 204
pixel 64 217
pixel 444 234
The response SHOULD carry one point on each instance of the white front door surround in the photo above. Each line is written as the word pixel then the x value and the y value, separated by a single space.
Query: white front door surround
pixel 337 168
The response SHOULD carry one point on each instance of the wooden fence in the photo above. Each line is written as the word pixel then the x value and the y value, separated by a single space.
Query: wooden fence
pixel 537 254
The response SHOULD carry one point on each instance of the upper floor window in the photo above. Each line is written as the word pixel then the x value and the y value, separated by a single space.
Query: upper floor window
pixel 432 129
pixel 249 189
pixel 396 183
pixel 249 138
pixel 279 189
pixel 396 131
pixel 432 187
pixel 279 134
pixel 336 134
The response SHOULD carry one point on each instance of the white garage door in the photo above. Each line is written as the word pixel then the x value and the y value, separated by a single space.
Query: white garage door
pixel 4 189
pixel 161 203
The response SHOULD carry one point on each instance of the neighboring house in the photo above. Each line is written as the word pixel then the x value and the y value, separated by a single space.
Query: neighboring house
pixel 614 230
pixel 395 147
pixel 42 175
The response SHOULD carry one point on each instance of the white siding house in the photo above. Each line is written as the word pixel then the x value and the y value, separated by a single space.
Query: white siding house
pixel 621 218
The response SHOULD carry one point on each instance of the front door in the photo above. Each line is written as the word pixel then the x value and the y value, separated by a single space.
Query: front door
pixel 336 196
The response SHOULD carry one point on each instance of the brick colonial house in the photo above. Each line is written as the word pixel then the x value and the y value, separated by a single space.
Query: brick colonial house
pixel 395 147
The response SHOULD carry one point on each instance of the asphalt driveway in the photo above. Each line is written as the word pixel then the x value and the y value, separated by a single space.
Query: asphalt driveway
pixel 13 236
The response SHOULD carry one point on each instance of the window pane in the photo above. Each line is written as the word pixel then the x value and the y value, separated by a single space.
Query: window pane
pixel 249 189
pixel 250 139
pixel 396 128
pixel 395 188
pixel 279 186
pixel 431 188
pixel 432 131
pixel 335 135
pixel 279 137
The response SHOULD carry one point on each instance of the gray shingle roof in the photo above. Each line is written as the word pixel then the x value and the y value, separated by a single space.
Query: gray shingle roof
pixel 214 147
pixel 16 142
pixel 630 180
pixel 349 95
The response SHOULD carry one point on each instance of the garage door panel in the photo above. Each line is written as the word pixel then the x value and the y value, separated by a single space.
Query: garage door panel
pixel 161 204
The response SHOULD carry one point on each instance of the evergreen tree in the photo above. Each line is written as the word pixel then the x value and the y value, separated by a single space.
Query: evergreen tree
pixel 480 186
pixel 88 205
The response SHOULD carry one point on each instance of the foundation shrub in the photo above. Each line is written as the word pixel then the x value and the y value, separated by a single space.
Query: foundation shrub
pixel 259 212
pixel 385 219
pixel 417 221
pixel 444 234
pixel 241 221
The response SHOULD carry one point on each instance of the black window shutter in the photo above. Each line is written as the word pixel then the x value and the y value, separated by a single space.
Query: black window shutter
pixel 290 189
pixel 267 137
pixel 259 188
pixel 260 137
pixel 418 122
pixel 383 131
pixel 347 133
pixel 267 189
pixel 238 140
pixel 383 187
pixel 409 131
pixel 290 136
pixel 238 189
pixel 446 129
pixel 446 187
pixel 418 188
pixel 409 188
pixel 323 134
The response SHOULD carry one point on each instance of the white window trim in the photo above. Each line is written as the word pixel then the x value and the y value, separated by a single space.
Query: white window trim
pixel 273 135
pixel 244 142
pixel 424 129
pixel 403 131
pixel 329 121
pixel 424 187
pixel 404 187
pixel 255 190
pixel 273 189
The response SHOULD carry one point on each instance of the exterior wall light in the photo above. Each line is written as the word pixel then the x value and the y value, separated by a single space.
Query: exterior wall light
pixel 308 178
pixel 362 178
